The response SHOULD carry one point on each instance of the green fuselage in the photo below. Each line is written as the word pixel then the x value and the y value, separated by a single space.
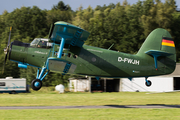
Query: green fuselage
pixel 93 61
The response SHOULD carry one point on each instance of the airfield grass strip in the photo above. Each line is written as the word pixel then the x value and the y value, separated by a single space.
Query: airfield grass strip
pixel 52 98
pixel 91 114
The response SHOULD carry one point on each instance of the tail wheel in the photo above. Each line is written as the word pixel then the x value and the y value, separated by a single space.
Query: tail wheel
pixel 36 84
pixel 148 83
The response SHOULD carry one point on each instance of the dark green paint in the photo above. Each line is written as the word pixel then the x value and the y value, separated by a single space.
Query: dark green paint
pixel 93 61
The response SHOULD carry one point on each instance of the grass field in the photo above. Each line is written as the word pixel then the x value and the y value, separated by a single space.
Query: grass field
pixel 91 114
pixel 44 97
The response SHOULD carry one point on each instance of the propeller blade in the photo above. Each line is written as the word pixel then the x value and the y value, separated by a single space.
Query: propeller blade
pixel 6 50
pixel 5 58
pixel 9 37
pixel 4 63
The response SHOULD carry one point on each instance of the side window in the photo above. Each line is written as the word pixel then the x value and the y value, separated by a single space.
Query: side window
pixel 42 44
pixel 49 45
pixel 69 54
pixel 75 56
pixel 2 84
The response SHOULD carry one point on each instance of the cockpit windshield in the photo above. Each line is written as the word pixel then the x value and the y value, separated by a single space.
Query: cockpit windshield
pixel 34 42
pixel 41 43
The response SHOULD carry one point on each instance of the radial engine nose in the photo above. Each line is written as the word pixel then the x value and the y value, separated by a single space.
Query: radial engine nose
pixel 18 51
pixel 5 50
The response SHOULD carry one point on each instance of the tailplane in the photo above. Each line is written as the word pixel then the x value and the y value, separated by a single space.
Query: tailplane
pixel 159 43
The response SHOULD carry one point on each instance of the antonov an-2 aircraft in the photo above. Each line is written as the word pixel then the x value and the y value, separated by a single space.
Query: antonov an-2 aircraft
pixel 64 51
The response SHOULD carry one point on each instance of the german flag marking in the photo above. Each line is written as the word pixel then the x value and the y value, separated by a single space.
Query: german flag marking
pixel 167 42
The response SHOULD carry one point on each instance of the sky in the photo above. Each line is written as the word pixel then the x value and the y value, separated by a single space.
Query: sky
pixel 10 5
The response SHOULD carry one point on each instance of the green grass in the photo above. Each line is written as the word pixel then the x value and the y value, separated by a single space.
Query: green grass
pixel 51 98
pixel 47 97
pixel 91 114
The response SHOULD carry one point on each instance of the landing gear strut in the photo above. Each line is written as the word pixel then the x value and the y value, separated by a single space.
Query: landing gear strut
pixel 36 84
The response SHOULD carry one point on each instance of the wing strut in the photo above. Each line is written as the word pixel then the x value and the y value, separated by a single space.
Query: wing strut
pixel 61 48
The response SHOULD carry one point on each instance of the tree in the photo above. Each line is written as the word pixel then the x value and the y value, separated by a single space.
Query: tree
pixel 175 32
pixel 82 18
pixel 61 6
pixel 58 15
pixel 124 25
pixel 160 15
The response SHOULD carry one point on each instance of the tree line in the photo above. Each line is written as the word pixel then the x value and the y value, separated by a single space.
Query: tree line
pixel 124 25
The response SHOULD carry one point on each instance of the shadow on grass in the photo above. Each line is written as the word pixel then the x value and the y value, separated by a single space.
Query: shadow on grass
pixel 156 106
pixel 144 106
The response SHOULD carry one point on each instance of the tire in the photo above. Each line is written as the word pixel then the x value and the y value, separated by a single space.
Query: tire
pixel 13 92
pixel 35 87
pixel 150 83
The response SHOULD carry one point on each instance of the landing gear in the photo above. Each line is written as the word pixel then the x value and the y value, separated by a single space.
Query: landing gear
pixel 97 78
pixel 36 84
pixel 148 83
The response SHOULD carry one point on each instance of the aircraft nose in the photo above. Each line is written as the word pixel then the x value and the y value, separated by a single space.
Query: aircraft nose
pixel 18 51
pixel 5 51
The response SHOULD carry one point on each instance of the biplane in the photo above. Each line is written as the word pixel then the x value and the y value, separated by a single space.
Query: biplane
pixel 64 51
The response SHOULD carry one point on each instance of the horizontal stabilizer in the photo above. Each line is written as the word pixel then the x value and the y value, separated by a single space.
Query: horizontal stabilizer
pixel 156 54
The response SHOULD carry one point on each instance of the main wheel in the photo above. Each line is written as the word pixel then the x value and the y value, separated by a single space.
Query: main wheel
pixel 12 92
pixel 149 83
pixel 36 84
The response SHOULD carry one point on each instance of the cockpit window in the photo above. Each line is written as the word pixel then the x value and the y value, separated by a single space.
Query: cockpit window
pixel 41 43
pixel 49 44
pixel 34 42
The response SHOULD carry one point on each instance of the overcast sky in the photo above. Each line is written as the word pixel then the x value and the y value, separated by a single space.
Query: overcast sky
pixel 10 5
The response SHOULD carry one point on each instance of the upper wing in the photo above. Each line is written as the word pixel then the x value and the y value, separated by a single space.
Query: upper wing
pixel 73 35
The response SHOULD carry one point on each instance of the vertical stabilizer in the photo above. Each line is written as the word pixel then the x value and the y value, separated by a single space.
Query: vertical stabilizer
pixel 159 44
pixel 158 39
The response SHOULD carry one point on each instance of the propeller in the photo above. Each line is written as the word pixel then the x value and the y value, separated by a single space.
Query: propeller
pixel 6 50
